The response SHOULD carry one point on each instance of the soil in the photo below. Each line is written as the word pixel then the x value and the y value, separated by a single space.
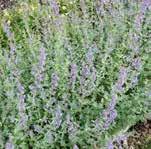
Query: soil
pixel 141 138
pixel 6 4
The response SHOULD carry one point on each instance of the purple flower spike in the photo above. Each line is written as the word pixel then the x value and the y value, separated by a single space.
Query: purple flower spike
pixel 6 29
pixel 90 57
pixel 58 117
pixel 85 71
pixel 72 129
pixel 54 6
pixel 20 88
pixel 90 54
pixel 110 145
pixel 38 71
pixel 120 138
pixel 134 81
pixel 84 75
pixel 113 102
pixel 21 105
pixel 49 137
pixel 42 59
pixel 9 34
pixel 145 4
pixel 94 74
pixel 136 63
pixel 139 21
pixel 73 74
pixel 23 120
pixel 105 1
pixel 37 128
pixel 9 145
pixel 12 48
pixel 75 147
pixel 122 79
pixel 54 82
pixel 110 118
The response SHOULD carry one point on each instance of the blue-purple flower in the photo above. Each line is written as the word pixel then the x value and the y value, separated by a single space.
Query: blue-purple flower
pixel 38 71
pixel 54 6
pixel 134 81
pixel 49 137
pixel 55 10
pixel 10 36
pixel 118 140
pixel 73 74
pixel 110 145
pixel 58 117
pixel 9 144
pixel 72 129
pixel 21 105
pixel 112 104
pixel 137 63
pixel 138 21
pixel 145 4
pixel 121 79
pixel 42 58
pixel 75 146
pixel 6 29
pixel 54 83
pixel 110 113
pixel 12 48
pixel 85 71
pixel 109 116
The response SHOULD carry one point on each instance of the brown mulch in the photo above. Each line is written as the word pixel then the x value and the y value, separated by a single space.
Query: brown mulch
pixel 4 4
pixel 141 139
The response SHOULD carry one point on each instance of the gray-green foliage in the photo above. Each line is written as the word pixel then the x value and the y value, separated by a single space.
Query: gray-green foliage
pixel 63 116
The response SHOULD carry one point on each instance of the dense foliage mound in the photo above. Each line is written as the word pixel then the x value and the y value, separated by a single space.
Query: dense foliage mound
pixel 73 74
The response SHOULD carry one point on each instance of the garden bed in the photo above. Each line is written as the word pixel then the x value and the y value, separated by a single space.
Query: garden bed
pixel 81 85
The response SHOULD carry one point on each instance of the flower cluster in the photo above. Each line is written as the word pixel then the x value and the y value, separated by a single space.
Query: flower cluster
pixel 10 36
pixel 75 146
pixel 54 83
pixel 74 95
pixel 145 5
pixel 136 61
pixel 49 137
pixel 58 117
pixel 9 144
pixel 118 140
pixel 110 113
pixel 88 74
pixel 72 128
pixel 38 71
pixel 55 10
pixel 73 74
pixel 54 6
pixel 21 105
pixel 122 79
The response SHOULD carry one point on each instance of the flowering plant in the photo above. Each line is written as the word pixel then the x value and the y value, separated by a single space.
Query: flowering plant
pixel 73 79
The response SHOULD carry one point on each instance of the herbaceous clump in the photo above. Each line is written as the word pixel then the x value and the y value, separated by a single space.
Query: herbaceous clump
pixel 74 74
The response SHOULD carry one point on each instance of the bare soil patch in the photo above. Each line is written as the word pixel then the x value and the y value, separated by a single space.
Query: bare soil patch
pixel 141 139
